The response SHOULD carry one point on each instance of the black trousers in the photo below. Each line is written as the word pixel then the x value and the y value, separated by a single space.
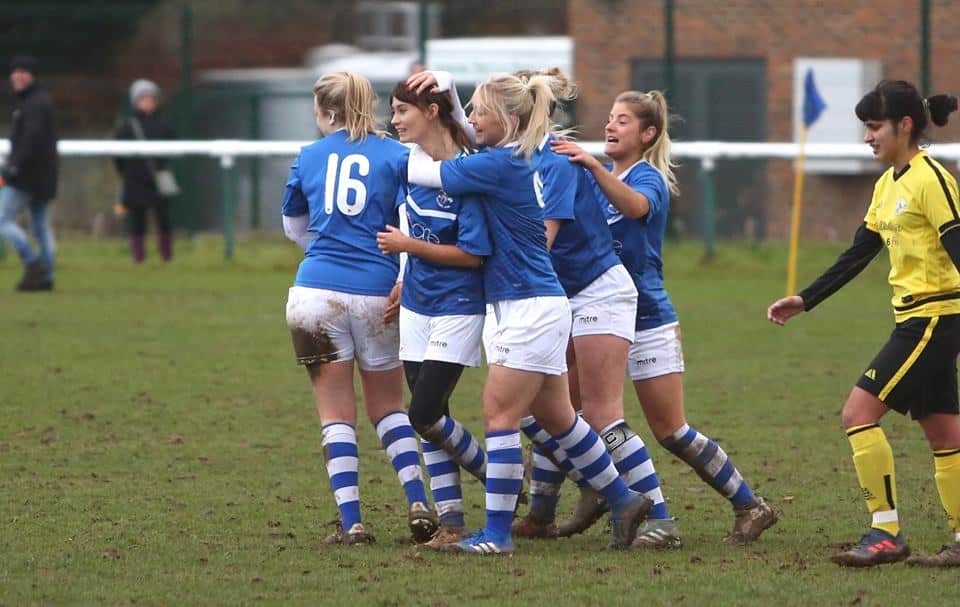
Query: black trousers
pixel 162 213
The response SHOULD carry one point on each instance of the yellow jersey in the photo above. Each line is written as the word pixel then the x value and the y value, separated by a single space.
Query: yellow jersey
pixel 911 210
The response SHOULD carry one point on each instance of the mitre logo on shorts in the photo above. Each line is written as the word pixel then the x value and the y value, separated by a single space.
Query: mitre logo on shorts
pixel 443 200
pixel 436 343
pixel 502 349
pixel 587 320
pixel 646 361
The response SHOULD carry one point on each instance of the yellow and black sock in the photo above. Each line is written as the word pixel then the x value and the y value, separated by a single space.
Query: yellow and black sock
pixel 873 459
pixel 947 464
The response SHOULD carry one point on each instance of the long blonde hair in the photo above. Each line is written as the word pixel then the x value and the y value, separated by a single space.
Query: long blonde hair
pixel 651 109
pixel 349 96
pixel 563 89
pixel 521 107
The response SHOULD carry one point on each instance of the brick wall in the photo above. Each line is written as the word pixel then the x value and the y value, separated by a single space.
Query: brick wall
pixel 610 33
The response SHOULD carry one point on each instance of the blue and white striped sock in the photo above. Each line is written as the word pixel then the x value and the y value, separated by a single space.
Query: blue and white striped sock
pixel 632 460
pixel 711 463
pixel 587 453
pixel 504 481
pixel 546 478
pixel 547 444
pixel 343 466
pixel 451 436
pixel 444 484
pixel 400 441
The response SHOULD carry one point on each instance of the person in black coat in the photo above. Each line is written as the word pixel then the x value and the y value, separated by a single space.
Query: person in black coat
pixel 29 175
pixel 140 191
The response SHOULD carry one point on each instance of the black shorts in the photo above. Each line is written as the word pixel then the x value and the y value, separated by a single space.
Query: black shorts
pixel 916 370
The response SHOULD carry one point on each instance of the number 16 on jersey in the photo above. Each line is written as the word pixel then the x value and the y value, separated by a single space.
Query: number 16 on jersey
pixel 340 183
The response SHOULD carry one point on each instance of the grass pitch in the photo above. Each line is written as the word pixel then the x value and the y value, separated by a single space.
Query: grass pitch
pixel 158 446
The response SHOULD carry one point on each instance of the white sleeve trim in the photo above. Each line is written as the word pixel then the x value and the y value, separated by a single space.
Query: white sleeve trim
pixel 423 170
pixel 295 228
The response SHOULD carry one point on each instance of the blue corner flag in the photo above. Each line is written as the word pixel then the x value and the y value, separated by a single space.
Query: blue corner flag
pixel 813 104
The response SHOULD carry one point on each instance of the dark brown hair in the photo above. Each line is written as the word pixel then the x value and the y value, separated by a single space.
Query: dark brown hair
pixel 401 92
pixel 895 99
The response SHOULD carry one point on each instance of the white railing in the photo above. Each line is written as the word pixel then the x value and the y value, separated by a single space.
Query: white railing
pixel 706 152
pixel 220 148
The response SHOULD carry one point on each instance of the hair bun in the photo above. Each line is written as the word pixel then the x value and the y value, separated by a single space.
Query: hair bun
pixel 941 106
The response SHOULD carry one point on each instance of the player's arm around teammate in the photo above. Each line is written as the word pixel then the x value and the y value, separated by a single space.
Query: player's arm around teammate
pixel 511 118
pixel 603 302
pixel 442 303
pixel 914 213
pixel 635 195
pixel 345 186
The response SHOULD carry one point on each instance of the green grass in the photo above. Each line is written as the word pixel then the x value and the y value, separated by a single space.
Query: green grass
pixel 159 446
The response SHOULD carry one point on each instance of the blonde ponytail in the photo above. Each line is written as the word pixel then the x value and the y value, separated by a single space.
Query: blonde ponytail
pixel 651 108
pixel 538 124
pixel 562 88
pixel 521 108
pixel 351 97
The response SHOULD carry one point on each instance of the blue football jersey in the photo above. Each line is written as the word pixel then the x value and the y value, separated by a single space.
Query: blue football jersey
pixel 639 243
pixel 520 266
pixel 583 247
pixel 350 190
pixel 439 218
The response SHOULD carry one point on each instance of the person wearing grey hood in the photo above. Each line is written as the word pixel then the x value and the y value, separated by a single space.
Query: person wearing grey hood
pixel 143 186
pixel 29 175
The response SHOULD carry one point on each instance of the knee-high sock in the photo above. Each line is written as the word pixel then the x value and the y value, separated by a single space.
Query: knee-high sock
pixel 400 441
pixel 554 457
pixel 948 484
pixel 550 467
pixel 710 462
pixel 504 480
pixel 588 455
pixel 444 484
pixel 451 436
pixel 632 460
pixel 873 459
pixel 340 451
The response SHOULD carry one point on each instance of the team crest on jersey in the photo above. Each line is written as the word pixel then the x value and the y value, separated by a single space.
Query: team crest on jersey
pixel 901 206
pixel 443 200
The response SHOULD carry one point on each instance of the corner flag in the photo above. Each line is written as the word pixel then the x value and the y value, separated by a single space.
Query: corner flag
pixel 813 106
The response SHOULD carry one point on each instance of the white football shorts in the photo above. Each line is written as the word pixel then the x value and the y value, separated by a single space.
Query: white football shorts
pixel 656 352
pixel 452 339
pixel 607 306
pixel 530 334
pixel 330 326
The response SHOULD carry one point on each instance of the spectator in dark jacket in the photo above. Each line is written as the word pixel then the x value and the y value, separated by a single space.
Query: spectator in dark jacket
pixel 30 175
pixel 140 192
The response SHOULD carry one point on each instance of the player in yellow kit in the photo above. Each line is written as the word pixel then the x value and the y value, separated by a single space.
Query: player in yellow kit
pixel 914 213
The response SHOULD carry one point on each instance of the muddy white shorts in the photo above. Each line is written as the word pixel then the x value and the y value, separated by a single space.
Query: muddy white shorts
pixel 607 306
pixel 330 326
pixel 452 339
pixel 656 352
pixel 530 334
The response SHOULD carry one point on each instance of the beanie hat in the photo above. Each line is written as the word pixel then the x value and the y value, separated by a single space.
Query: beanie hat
pixel 25 63
pixel 143 87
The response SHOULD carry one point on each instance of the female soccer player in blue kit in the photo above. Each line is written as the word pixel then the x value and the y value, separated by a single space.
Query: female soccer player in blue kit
pixel 341 191
pixel 603 301
pixel 442 302
pixel 511 118
pixel 635 194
